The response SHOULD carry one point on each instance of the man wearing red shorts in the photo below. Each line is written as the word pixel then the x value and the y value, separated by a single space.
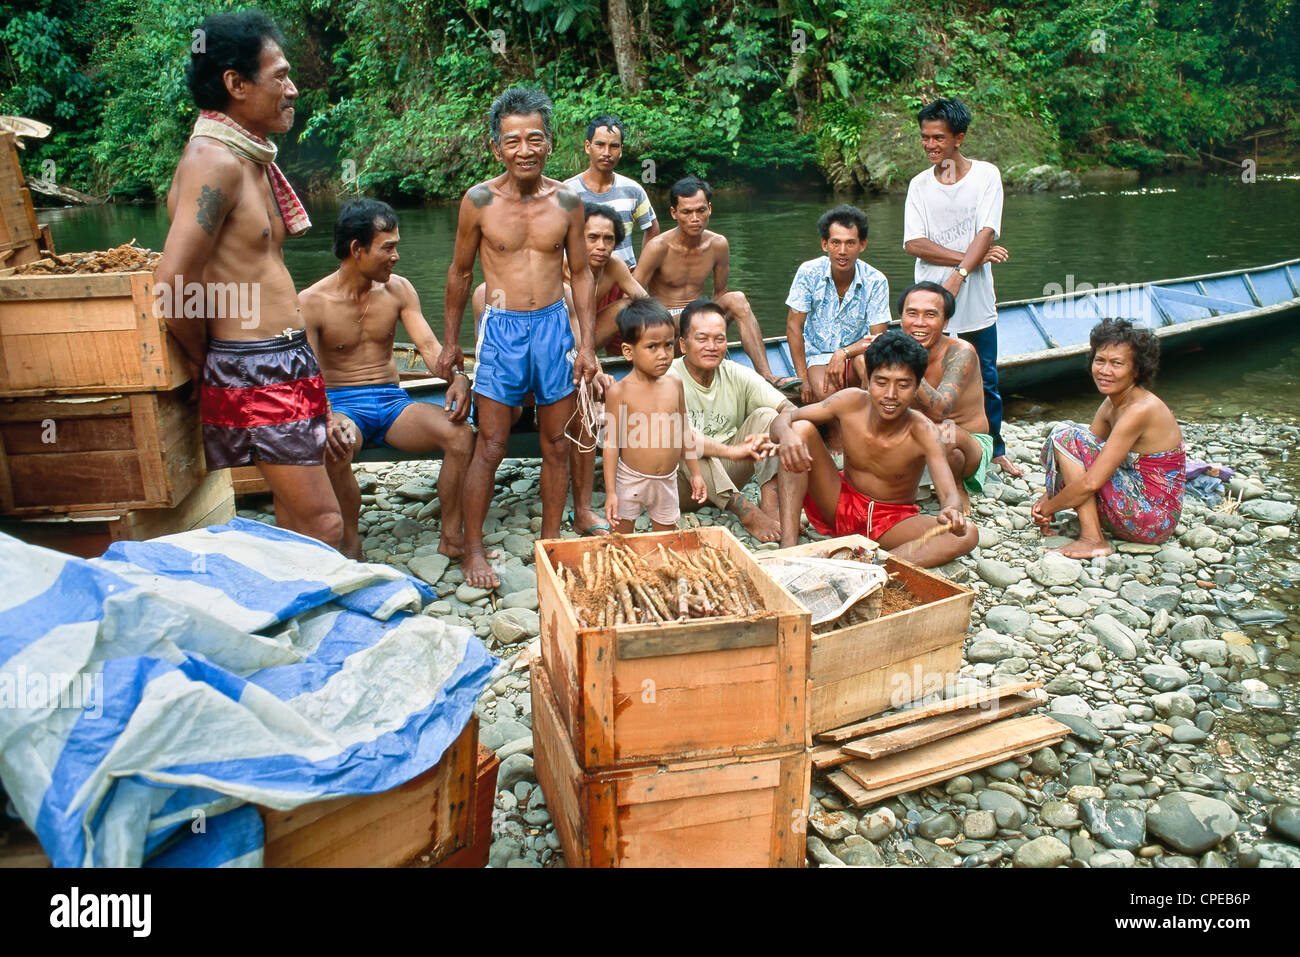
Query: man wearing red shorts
pixel 261 393
pixel 886 447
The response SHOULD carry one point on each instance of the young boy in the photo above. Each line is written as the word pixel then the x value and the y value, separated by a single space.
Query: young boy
pixel 646 430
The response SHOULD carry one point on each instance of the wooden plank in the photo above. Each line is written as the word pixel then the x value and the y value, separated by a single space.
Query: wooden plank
pixel 694 637
pixel 936 728
pixel 956 703
pixel 741 776
pixel 862 797
pixel 950 752
pixel 75 286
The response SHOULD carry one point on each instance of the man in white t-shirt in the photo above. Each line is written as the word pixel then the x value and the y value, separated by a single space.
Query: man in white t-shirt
pixel 598 183
pixel 953 215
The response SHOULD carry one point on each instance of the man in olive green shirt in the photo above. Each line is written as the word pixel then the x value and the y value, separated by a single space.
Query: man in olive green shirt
pixel 731 409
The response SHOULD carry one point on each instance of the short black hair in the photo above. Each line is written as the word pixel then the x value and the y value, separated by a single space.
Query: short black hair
pixel 842 215
pixel 230 41
pixel 688 186
pixel 360 219
pixel 600 209
pixel 639 315
pixel 1144 343
pixel 953 112
pixel 897 348
pixel 609 122
pixel 519 101
pixel 695 308
pixel 925 285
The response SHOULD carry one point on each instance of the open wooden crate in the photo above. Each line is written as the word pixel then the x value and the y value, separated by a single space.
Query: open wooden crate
pixel 431 816
pixel 744 811
pixel 84 334
pixel 867 668
pixel 633 694
pixel 98 453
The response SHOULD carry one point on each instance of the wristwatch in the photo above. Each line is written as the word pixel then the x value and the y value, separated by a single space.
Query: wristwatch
pixel 963 273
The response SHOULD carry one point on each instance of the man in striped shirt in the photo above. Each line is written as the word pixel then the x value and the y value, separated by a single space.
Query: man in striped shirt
pixel 598 183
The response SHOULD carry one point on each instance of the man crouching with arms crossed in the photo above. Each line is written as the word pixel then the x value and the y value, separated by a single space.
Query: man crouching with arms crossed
pixel 886 447
pixel 351 318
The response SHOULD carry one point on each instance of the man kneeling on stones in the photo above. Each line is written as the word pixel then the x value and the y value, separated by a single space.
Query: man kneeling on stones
pixel 887 444
pixel 351 317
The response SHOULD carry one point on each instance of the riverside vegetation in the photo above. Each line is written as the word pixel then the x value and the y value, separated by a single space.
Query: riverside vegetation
pixel 1174 667
pixel 394 91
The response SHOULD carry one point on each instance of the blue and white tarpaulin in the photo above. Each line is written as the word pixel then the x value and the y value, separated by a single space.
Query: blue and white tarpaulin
pixel 145 696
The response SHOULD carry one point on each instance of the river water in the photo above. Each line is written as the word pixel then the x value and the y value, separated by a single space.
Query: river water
pixel 1161 229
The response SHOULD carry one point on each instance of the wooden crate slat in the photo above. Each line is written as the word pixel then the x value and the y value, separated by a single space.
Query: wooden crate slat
pixel 955 703
pixel 948 753
pixel 936 728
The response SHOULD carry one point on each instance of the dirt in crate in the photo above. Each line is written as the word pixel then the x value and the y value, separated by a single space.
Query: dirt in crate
pixel 125 258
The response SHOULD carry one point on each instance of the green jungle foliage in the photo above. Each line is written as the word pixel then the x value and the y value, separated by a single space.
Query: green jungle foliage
pixel 398 90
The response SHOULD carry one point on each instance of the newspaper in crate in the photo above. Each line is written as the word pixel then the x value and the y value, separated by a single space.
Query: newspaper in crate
pixel 827 587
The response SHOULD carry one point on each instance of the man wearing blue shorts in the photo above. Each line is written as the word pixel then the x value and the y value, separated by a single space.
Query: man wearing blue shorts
pixel 520 225
pixel 351 318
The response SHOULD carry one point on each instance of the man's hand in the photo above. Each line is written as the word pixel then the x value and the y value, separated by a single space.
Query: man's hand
pixel 794 453
pixel 1042 518
pixel 450 362
pixel 611 507
pixel 955 517
pixel 953 283
pixel 757 446
pixel 586 366
pixel 996 254
pixel 835 370
pixel 338 438
pixel 456 401
pixel 699 491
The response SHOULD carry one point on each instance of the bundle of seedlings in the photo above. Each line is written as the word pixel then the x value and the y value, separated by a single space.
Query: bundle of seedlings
pixel 617 586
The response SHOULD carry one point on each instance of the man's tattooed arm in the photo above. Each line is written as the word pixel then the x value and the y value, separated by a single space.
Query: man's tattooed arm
pixel 212 202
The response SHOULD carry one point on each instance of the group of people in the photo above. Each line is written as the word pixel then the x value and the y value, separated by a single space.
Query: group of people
pixel 306 384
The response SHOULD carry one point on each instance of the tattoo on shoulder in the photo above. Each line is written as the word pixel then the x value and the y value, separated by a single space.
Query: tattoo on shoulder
pixel 480 196
pixel 567 198
pixel 211 203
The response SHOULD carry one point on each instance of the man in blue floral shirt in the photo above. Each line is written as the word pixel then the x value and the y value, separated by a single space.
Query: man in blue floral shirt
pixel 837 304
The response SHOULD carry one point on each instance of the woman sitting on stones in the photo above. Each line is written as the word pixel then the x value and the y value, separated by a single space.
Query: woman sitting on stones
pixel 1124 473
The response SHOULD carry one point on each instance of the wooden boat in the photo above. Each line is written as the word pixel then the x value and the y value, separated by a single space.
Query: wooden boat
pixel 1039 340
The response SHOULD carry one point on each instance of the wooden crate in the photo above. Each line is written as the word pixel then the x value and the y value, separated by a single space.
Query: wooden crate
pixel 747 811
pixel 98 453
pixel 88 535
pixel 84 334
pixel 634 694
pixel 868 668
pixel 20 235
pixel 248 481
pixel 431 816
pixel 479 848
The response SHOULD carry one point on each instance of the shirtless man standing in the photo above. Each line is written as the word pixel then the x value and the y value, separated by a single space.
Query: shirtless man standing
pixel 886 447
pixel 675 264
pixel 519 225
pixel 952 393
pixel 352 317
pixel 231 209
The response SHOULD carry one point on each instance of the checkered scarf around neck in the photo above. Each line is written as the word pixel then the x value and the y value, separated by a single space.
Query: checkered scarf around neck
pixel 218 126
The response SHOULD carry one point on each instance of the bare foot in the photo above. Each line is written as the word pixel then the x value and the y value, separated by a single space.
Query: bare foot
pixel 477 571
pixel 351 547
pixel 757 522
pixel 1008 466
pixel 965 498
pixel 451 544
pixel 1085 548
